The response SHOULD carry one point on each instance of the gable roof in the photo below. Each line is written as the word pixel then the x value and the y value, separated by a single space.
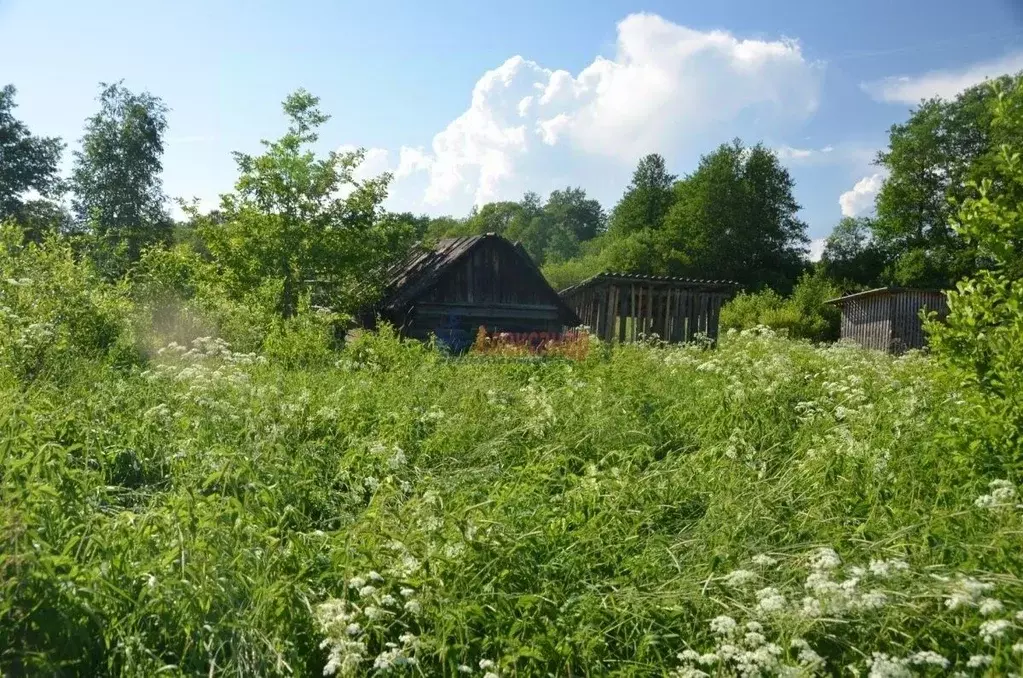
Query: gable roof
pixel 424 267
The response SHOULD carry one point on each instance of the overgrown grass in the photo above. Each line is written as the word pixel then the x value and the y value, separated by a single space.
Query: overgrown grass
pixel 765 507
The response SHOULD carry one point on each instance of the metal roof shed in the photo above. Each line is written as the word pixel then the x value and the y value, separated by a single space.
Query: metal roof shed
pixel 888 318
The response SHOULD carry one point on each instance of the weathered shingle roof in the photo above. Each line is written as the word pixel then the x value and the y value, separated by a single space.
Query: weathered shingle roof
pixel 639 278
pixel 424 266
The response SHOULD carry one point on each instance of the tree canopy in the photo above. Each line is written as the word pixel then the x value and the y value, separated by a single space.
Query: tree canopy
pixel 118 192
pixel 27 162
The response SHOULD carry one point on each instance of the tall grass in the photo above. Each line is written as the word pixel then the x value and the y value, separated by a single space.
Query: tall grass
pixel 764 507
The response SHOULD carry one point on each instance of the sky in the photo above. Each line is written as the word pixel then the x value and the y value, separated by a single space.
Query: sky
pixel 471 102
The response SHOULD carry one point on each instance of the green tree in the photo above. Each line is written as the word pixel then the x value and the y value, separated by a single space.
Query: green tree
pixel 983 334
pixel 735 218
pixel 931 158
pixel 297 220
pixel 647 199
pixel 583 217
pixel 851 255
pixel 118 193
pixel 27 162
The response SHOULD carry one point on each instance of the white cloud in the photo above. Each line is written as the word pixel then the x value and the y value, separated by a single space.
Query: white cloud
pixel 817 249
pixel 786 153
pixel 943 83
pixel 860 199
pixel 668 89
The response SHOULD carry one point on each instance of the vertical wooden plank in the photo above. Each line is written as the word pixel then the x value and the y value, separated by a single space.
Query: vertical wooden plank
pixel 622 317
pixel 666 323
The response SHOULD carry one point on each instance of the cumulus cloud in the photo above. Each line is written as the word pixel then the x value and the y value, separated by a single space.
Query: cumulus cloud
pixel 860 199
pixel 668 88
pixel 817 249
pixel 788 153
pixel 943 83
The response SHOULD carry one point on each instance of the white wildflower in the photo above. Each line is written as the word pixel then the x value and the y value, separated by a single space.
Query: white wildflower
pixel 770 600
pixel 873 600
pixel 993 629
pixel 723 625
pixel 367 590
pixel 486 664
pixel 764 560
pixel 388 600
pixel 462 668
pixel 688 656
pixel 825 559
pixel 990 606
pixel 884 666
pixel 375 576
pixel 738 578
pixel 811 607
pixel 353 629
pixel 927 657
pixel 1017 648
pixel 413 607
pixel 374 613
pixel 979 660
pixel 356 583
pixel 406 592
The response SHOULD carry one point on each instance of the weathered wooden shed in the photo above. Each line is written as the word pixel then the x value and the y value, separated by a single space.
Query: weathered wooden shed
pixel 622 306
pixel 888 318
pixel 461 284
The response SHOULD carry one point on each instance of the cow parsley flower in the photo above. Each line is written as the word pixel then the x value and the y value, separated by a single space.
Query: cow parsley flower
pixel 738 578
pixel 979 660
pixel 764 560
pixel 486 664
pixel 990 606
pixel 993 629
pixel 928 658
pixel 723 625
pixel 825 559
pixel 770 600
pixel 885 666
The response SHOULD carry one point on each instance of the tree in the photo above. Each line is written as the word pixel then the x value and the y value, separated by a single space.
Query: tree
pixel 27 162
pixel 118 194
pixel 930 160
pixel 851 255
pixel 583 217
pixel 646 201
pixel 296 220
pixel 983 334
pixel 735 218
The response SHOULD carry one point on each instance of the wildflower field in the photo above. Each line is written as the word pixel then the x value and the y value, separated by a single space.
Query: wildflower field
pixel 765 507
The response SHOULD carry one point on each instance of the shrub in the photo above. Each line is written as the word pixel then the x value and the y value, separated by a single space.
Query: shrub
pixel 803 315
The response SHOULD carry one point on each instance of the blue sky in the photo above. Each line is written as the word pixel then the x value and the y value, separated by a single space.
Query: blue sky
pixel 434 90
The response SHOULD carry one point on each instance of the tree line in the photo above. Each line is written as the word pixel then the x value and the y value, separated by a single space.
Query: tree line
pixel 294 218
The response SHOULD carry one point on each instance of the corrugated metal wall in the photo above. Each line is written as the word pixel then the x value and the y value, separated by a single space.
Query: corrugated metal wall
pixel 889 321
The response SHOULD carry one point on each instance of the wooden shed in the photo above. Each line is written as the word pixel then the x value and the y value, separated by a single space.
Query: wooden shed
pixel 622 306
pixel 461 284
pixel 888 318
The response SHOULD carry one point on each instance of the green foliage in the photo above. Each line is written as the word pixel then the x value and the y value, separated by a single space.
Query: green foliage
pixel 221 509
pixel 550 232
pixel 118 193
pixel 27 162
pixel 983 335
pixel 734 218
pixel 303 221
pixel 54 311
pixel 802 315
pixel 647 199
pixel 930 159
pixel 851 257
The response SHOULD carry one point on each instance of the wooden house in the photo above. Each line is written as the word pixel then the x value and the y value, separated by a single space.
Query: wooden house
pixel 461 284
pixel 623 306
pixel 888 318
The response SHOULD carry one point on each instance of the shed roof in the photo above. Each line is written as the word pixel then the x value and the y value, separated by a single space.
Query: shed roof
pixel 656 280
pixel 884 290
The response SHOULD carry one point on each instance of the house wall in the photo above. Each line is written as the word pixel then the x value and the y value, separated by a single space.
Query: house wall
pixel 907 328
pixel 490 287
pixel 868 321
